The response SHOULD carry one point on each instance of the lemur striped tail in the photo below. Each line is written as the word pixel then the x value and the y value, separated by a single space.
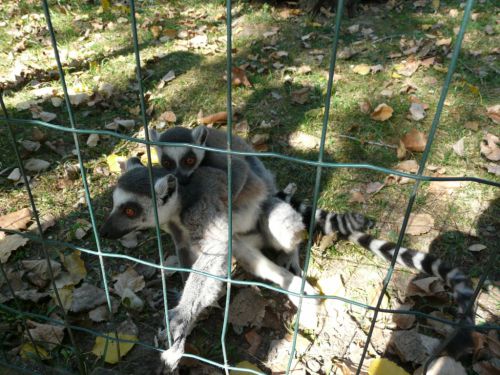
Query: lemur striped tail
pixel 459 283
pixel 326 222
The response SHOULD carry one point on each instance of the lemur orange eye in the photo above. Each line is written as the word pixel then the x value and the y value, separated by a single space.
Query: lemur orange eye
pixel 189 161
pixel 130 212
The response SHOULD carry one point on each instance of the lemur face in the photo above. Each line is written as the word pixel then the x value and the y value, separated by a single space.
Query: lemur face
pixel 181 161
pixel 132 203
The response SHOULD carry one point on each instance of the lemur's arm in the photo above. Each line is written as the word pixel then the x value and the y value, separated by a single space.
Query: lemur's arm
pixel 199 293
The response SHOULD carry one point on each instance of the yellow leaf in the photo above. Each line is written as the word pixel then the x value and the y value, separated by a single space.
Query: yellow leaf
pixel 362 69
pixel 246 365
pixel 106 5
pixel 382 112
pixel 396 75
pixel 382 366
pixel 154 157
pixel 112 352
pixel 28 351
pixel 474 89
pixel 114 162
pixel 435 4
pixel 75 266
pixel 66 296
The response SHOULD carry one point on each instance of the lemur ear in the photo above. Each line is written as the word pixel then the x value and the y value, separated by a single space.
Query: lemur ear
pixel 165 187
pixel 153 135
pixel 200 134
pixel 133 163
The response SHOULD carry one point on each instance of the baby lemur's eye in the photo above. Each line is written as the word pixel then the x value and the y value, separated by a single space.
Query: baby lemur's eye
pixel 189 161
pixel 129 212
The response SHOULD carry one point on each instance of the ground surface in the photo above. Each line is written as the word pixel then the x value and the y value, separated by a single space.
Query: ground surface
pixel 395 54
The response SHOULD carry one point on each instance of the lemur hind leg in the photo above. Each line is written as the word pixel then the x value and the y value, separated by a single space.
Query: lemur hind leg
pixel 199 293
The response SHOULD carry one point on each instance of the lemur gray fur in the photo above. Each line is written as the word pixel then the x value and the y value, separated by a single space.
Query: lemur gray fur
pixel 195 215
pixel 203 215
pixel 247 172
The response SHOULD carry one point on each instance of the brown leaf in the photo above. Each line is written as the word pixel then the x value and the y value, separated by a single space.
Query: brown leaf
pixel 419 224
pixel 414 140
pixel 75 266
pixel 382 112
pixel 38 271
pixel 16 220
pixel 239 77
pixel 168 116
pixel 493 168
pixel 490 147
pixel 411 346
pixel 216 118
pixel 407 166
pixel 259 139
pixel 357 197
pixel 449 187
pixel 301 96
pixel 491 367
pixel 92 140
pixel 365 106
pixel 409 68
pixel 401 150
pixel 443 42
pixel 9 244
pixel 404 321
pixel 493 113
pixel 443 366
pixel 46 335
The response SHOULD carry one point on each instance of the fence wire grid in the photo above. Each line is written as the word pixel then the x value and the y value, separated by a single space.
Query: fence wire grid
pixel 319 164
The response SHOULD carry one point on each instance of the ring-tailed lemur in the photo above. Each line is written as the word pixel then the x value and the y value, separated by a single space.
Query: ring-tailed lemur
pixel 195 215
pixel 247 172
pixel 202 213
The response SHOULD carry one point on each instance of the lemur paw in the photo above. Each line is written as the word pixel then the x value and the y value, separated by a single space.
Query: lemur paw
pixel 171 358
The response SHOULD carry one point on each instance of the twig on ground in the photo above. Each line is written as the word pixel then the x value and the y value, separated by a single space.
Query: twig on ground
pixel 368 142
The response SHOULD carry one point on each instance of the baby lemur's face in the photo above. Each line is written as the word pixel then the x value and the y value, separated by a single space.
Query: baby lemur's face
pixel 132 203
pixel 181 161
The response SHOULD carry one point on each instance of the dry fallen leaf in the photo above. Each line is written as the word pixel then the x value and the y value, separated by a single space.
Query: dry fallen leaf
pixel 401 151
pixel 129 279
pixel 216 118
pixel 493 168
pixel 30 146
pixel 417 111
pixel 86 297
pixel 36 165
pixel 459 147
pixel 362 69
pixel 16 220
pixel 9 244
pixel 38 272
pixel 168 116
pixel 411 346
pixel 472 125
pixel 115 162
pixel 357 197
pixel 303 141
pixel 239 77
pixel 419 224
pixel 247 308
pixel 439 187
pixel 493 113
pixel 382 366
pixel 74 265
pixel 127 124
pixel 414 140
pixel 404 321
pixel 113 346
pixel 382 112
pixel 301 96
pixel 259 139
pixel 28 352
pixel 46 335
pixel 407 166
pixel 490 147
pixel 92 140
pixel 408 69
pixel 374 187
pixel 365 106
pixel 477 247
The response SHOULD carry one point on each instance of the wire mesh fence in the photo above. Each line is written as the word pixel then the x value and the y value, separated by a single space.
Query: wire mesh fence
pixel 319 164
